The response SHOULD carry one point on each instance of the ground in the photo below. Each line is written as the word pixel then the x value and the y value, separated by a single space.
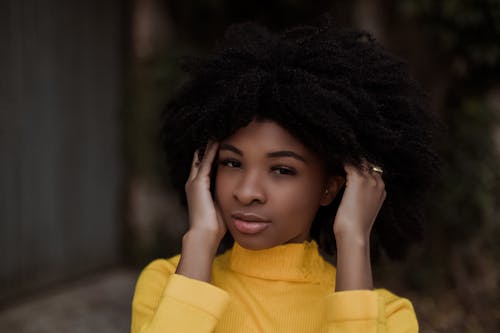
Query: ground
pixel 99 303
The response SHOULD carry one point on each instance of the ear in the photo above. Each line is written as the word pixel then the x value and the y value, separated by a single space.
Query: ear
pixel 333 186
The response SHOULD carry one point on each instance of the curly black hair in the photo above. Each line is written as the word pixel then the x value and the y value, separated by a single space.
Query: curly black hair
pixel 337 91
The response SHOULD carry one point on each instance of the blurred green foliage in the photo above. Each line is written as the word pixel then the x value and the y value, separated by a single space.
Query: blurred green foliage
pixel 468 193
pixel 461 254
pixel 465 32
pixel 465 39
pixel 203 21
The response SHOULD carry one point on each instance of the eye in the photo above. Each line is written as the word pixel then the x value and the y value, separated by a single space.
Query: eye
pixel 282 170
pixel 230 163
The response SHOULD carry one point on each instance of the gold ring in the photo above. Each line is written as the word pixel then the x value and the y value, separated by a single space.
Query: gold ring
pixel 378 169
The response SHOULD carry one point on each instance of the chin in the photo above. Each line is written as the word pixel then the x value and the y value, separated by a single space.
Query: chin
pixel 254 242
pixel 251 246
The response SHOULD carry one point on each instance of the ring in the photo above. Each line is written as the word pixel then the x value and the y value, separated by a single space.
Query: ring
pixel 378 169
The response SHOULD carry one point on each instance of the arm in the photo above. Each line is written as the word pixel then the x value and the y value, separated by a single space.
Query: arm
pixel 185 301
pixel 362 200
pixel 206 227
pixel 367 311
pixel 355 306
pixel 168 302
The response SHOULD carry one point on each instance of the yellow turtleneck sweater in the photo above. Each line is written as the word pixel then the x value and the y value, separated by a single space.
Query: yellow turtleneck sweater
pixel 288 288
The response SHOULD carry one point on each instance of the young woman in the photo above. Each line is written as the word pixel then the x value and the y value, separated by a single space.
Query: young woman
pixel 312 140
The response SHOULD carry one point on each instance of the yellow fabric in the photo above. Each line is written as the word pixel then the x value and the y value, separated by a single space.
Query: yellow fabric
pixel 288 288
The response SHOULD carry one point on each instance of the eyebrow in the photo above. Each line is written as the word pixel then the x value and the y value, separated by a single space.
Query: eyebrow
pixel 281 153
pixel 225 146
pixel 287 153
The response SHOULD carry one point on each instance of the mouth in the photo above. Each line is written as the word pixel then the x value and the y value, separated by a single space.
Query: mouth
pixel 249 223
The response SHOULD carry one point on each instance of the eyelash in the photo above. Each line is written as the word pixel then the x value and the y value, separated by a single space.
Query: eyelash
pixel 282 170
pixel 226 162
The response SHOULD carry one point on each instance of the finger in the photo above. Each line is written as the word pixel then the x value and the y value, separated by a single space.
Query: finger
pixel 366 172
pixel 208 158
pixel 370 168
pixel 376 174
pixel 352 171
pixel 195 165
pixel 218 212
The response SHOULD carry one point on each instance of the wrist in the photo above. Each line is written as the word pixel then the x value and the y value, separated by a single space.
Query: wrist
pixel 352 242
pixel 352 239
pixel 203 240
pixel 353 264
pixel 198 253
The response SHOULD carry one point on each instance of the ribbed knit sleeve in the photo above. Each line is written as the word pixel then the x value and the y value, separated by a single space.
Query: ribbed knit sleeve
pixel 168 302
pixel 368 311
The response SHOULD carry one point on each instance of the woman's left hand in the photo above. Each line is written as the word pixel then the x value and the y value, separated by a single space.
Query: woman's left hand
pixel 363 197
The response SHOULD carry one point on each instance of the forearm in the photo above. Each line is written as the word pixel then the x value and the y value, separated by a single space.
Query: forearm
pixel 353 264
pixel 166 302
pixel 197 256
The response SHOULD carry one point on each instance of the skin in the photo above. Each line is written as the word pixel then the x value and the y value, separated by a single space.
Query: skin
pixel 265 171
pixel 255 176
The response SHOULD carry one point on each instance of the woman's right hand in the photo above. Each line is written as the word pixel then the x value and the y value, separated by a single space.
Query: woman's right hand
pixel 204 214
pixel 206 226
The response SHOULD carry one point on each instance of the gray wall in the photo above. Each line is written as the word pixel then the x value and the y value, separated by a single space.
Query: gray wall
pixel 61 74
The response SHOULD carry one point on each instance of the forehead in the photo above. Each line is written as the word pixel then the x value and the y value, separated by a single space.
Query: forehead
pixel 267 136
pixel 262 128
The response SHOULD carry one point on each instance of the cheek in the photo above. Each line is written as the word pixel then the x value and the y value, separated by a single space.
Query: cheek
pixel 298 199
pixel 217 187
pixel 222 187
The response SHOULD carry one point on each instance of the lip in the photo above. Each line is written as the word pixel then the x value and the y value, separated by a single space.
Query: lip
pixel 249 217
pixel 250 223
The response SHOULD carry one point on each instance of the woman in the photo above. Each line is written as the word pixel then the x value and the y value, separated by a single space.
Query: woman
pixel 311 140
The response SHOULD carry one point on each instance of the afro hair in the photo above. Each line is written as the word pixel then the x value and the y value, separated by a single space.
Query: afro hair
pixel 335 90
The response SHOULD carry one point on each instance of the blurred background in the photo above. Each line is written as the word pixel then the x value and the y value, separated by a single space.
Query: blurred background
pixel 84 203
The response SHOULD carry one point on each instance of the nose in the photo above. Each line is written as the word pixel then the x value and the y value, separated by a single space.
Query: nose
pixel 250 189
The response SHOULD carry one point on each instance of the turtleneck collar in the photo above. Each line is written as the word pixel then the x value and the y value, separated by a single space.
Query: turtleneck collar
pixel 298 262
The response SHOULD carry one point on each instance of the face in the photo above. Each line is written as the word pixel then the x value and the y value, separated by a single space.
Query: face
pixel 269 186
